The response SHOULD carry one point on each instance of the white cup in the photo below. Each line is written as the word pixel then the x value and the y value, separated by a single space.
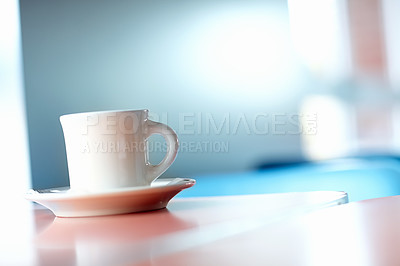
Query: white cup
pixel 107 150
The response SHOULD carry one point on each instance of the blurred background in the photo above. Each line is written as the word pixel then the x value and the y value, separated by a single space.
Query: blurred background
pixel 248 85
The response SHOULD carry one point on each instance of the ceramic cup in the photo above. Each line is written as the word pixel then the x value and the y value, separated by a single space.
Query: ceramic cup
pixel 107 150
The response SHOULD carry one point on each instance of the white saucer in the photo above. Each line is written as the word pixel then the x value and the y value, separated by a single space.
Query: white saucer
pixel 65 203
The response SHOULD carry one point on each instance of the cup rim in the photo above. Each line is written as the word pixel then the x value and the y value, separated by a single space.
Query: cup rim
pixel 102 112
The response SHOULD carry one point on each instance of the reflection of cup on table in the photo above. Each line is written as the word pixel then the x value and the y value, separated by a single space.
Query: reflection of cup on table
pixel 105 240
pixel 108 149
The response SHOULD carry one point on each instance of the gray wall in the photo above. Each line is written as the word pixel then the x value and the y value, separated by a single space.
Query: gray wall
pixel 178 59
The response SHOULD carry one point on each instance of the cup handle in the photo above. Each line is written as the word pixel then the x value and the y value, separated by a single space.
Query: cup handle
pixel 154 171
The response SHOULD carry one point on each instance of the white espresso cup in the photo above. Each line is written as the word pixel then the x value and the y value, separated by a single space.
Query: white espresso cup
pixel 107 150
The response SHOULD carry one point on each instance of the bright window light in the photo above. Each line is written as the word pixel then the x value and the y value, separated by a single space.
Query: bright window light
pixel 334 129
pixel 320 36
pixel 14 157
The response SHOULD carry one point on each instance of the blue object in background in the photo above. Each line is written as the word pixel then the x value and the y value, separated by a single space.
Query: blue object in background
pixel 360 178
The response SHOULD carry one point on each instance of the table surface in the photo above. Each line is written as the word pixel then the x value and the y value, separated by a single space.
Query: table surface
pixel 271 229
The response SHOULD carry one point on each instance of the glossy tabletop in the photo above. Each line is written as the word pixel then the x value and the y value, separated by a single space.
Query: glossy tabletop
pixel 273 229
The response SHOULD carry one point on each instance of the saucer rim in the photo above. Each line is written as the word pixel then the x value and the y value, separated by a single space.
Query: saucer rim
pixel 34 195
